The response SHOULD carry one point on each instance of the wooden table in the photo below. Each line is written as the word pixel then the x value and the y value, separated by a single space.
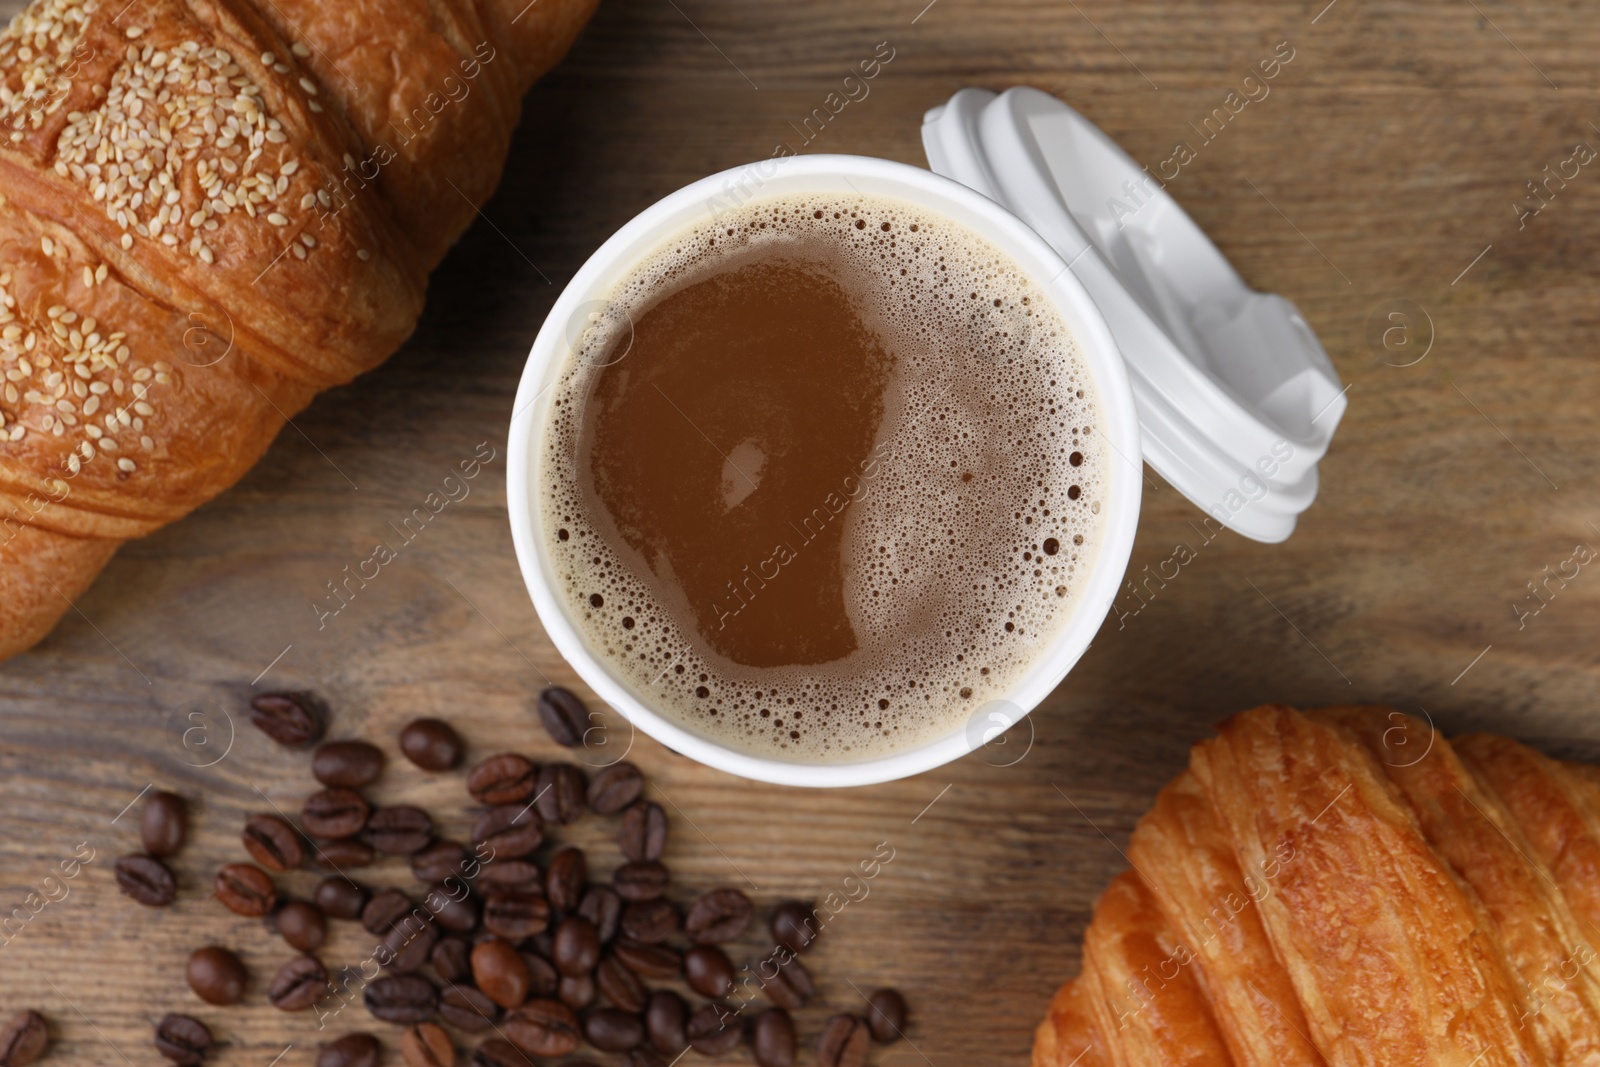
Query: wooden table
pixel 1386 165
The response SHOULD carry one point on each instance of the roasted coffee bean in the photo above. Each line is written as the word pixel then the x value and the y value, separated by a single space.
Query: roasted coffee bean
pixel 562 789
pixel 343 854
pixel 453 906
pixel 427 1045
pixel 645 1056
pixel 602 906
pixel 182 1039
pixel 347 763
pixel 666 1017
pixel 341 898
pixel 620 986
pixel 515 915
pixel 246 889
pixel 565 718
pixel 407 945
pixel 886 1014
pixel 640 880
pixel 613 1030
pixel 791 987
pixel 503 779
pixel 500 971
pixel 386 906
pixel 542 1028
pixel 438 860
pixel 163 823
pixel 401 998
pixel 649 961
pixel 509 831
pixel 543 943
pixel 498 1052
pixel 794 925
pixel 399 830
pixel 24 1039
pixel 718 917
pixel 772 1039
pixel 577 991
pixel 714 1030
pixel 351 1050
pixel 845 1040
pixel 564 881
pixel 512 874
pixel 147 880
pixel 650 921
pixel 577 946
pixel 467 1008
pixel 708 971
pixel 543 978
pixel 452 959
pixel 334 813
pixel 272 842
pixel 431 744
pixel 643 834
pixel 299 984
pixel 615 787
pixel 216 975
pixel 292 719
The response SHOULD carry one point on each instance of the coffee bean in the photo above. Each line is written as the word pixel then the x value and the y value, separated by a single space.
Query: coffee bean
pixel 334 813
pixel 714 1030
pixel 543 943
pixel 399 830
pixel 791 987
pixel 467 1008
pixel 347 763
pixel 498 1052
pixel 615 787
pixel 886 1014
pixel 452 960
pixel 509 831
pixel 343 854
pixel 543 978
pixel 163 822
pixel 438 860
pixel 643 834
pixel 512 874
pixel 562 791
pixel 649 961
pixel 501 972
pixel 272 842
pixel 427 1045
pixel 246 889
pixel 515 915
pixel 401 998
pixel 299 984
pixel 772 1039
pixel 385 907
pixel 794 925
pixel 640 880
pixel 565 718
pixel 718 917
pixel 564 881
pixel 147 880
pixel 407 945
pixel 577 946
pixel 708 971
pixel 292 719
pixel 503 779
pixel 340 898
pixel 182 1039
pixel 665 1018
pixel 620 986
pixel 24 1039
pixel 602 906
pixel 454 907
pixel 650 921
pixel 845 1040
pixel 542 1028
pixel 645 1056
pixel 577 991
pixel 216 975
pixel 431 744
pixel 613 1030
pixel 351 1050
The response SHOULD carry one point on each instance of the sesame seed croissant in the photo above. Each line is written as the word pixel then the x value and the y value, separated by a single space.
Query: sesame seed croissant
pixel 210 210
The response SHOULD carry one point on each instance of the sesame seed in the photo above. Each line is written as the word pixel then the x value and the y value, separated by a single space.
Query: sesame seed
pixel 277 219
pixel 134 32
pixel 88 278
pixel 126 464
pixel 300 50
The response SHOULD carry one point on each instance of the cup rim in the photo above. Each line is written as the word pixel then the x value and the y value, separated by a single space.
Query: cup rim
pixel 677 211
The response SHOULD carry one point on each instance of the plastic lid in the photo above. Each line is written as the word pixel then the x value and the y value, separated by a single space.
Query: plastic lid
pixel 1237 400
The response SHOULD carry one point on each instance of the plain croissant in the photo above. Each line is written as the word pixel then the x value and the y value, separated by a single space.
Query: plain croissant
pixel 209 211
pixel 1346 887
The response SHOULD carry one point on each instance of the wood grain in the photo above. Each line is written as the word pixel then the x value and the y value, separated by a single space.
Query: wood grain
pixel 1388 156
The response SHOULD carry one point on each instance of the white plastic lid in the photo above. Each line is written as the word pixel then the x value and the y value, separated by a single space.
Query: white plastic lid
pixel 1237 400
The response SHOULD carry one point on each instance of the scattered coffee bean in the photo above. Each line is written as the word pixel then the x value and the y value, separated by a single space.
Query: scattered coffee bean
pixel 844 1043
pixel 515 914
pixel 147 880
pixel 334 813
pixel 407 945
pixel 511 831
pixel 562 791
pixel 886 1014
pixel 666 1017
pixel 216 975
pixel 714 1030
pixel 347 763
pixel 246 889
pixel 643 834
pixel 351 1050
pixel 498 1052
pixel 456 910
pixel 615 787
pixel 772 1039
pixel 650 921
pixel 438 860
pixel 565 880
pixel 637 880
pixel 512 874
pixel 302 925
pixel 452 960
pixel 791 987
pixel 645 1056
pixel 384 909
pixel 564 716
pixel 272 842
pixel 501 972
pixel 649 961
pixel 542 1028
pixel 401 998
pixel 299 984
pixel 613 1030
pixel 620 986
pixel 182 1039
pixel 577 991
pixel 343 854
pixel 431 744
pixel 427 1045
pixel 24 1039
pixel 718 917
pixel 708 971
pixel 163 823
pixel 543 978
pixel 577 946
pixel 291 719
pixel 503 779
pixel 794 926
pixel 341 898
pixel 399 830
pixel 467 1008
pixel 602 906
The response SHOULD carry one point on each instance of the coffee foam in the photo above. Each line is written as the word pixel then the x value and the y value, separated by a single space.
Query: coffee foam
pixel 970 530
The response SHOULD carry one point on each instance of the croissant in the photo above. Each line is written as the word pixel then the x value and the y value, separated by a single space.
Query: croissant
pixel 1345 886
pixel 210 210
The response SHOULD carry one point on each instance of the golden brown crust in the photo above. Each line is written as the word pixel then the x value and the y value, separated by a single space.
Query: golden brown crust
pixel 1068 1037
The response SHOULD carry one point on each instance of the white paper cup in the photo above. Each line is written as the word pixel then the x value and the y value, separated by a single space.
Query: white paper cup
pixel 691 205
